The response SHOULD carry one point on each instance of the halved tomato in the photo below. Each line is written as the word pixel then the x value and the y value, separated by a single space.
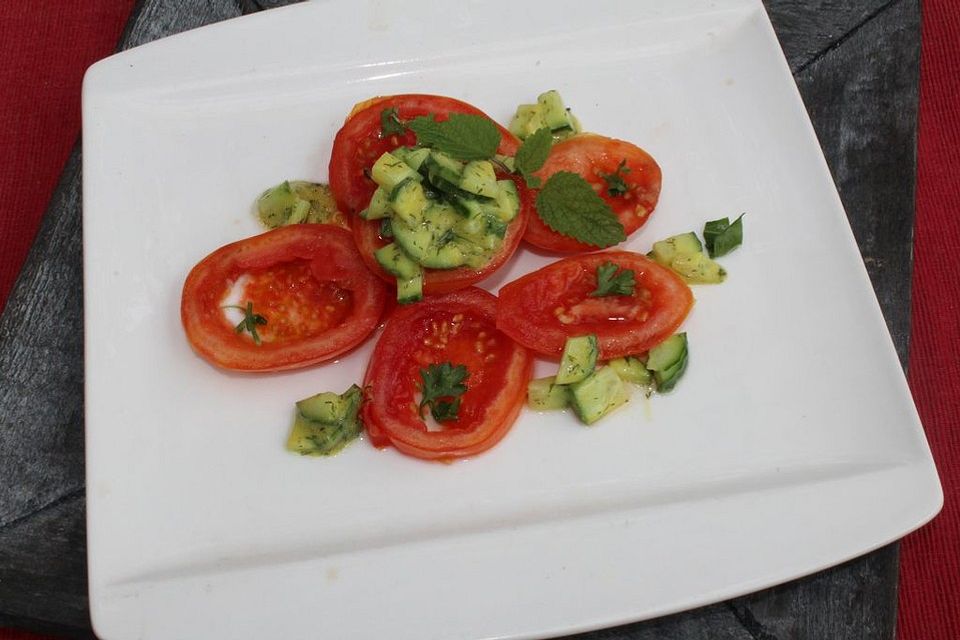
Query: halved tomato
pixel 302 291
pixel 593 157
pixel 358 145
pixel 460 329
pixel 544 308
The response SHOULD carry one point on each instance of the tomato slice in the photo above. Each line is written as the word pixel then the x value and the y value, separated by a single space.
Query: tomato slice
pixel 544 308
pixel 306 280
pixel 459 328
pixel 358 145
pixel 590 155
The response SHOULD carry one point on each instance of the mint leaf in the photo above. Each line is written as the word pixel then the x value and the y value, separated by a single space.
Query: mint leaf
pixel 464 136
pixel 442 381
pixel 616 185
pixel 613 281
pixel 532 154
pixel 569 205
pixel 390 123
pixel 721 237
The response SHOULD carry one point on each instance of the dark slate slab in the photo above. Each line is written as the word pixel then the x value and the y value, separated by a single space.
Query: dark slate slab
pixel 856 64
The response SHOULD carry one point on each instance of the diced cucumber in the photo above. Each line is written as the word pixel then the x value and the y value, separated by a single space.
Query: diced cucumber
pixel 473 226
pixel 527 120
pixel 697 268
pixel 331 408
pixel 415 157
pixel 479 178
pixel 430 242
pixel 507 161
pixel 409 291
pixel 280 205
pixel 598 394
pixel 544 394
pixel 443 170
pixel 685 243
pixel 379 206
pixel 496 226
pixel 631 370
pixel 409 201
pixel 386 228
pixel 668 361
pixel 508 200
pixel 393 259
pixel 683 254
pixel 389 171
pixel 469 207
pixel 326 423
pixel 579 359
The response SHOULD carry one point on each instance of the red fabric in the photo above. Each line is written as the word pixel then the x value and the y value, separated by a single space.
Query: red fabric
pixel 46 45
pixel 930 567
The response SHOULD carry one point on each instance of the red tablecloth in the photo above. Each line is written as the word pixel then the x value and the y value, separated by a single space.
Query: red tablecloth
pixel 46 45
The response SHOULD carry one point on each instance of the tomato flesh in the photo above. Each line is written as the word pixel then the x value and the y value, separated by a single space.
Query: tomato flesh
pixel 459 328
pixel 590 155
pixel 544 308
pixel 306 280
pixel 299 304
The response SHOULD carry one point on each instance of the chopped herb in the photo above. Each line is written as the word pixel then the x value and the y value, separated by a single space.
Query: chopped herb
pixel 532 154
pixel 464 136
pixel 613 281
pixel 250 320
pixel 441 388
pixel 390 123
pixel 569 205
pixel 721 236
pixel 616 185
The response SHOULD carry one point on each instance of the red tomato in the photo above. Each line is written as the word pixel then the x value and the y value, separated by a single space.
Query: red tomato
pixel 358 143
pixel 459 328
pixel 589 155
pixel 544 308
pixel 306 280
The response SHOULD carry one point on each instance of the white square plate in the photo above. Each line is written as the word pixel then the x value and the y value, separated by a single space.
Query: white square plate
pixel 791 444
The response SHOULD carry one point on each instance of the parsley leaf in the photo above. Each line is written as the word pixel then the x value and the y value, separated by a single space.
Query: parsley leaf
pixel 613 281
pixel 249 322
pixel 721 237
pixel 616 185
pixel 442 381
pixel 463 135
pixel 532 154
pixel 390 123
pixel 569 205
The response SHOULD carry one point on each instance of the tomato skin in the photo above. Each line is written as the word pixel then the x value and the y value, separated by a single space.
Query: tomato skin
pixel 416 336
pixel 325 253
pixel 544 308
pixel 589 155
pixel 358 143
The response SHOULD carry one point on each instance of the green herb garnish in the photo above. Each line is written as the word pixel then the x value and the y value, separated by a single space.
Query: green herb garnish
pixel 616 185
pixel 250 320
pixel 721 236
pixel 390 123
pixel 613 281
pixel 569 205
pixel 532 154
pixel 463 136
pixel 443 381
